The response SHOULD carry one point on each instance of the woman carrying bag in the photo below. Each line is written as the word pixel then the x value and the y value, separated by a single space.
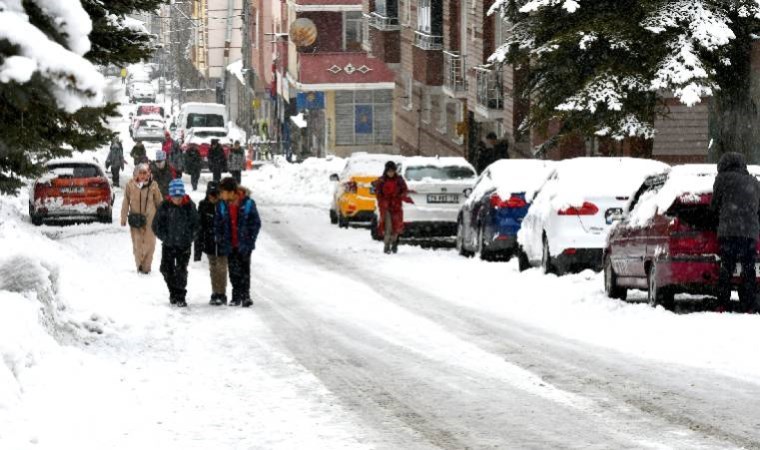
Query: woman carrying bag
pixel 141 201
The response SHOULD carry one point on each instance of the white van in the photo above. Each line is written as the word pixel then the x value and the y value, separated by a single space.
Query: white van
pixel 206 115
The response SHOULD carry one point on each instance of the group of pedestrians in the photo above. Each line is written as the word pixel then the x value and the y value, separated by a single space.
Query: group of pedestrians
pixel 225 227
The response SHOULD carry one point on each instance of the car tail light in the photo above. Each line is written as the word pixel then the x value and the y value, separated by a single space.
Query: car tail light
pixel 587 209
pixel 570 251
pixel 40 187
pixel 513 202
pixel 350 187
pixel 98 184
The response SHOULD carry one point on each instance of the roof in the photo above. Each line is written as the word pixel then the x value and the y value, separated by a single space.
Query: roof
pixel 331 71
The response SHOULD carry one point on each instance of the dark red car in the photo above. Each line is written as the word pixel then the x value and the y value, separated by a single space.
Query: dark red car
pixel 668 243
pixel 71 190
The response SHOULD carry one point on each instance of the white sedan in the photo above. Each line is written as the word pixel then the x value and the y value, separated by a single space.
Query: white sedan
pixel 567 226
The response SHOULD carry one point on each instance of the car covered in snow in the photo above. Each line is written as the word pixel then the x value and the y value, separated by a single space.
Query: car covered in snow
pixel 668 243
pixel 149 129
pixel 437 188
pixel 71 189
pixel 142 92
pixel 201 138
pixel 354 195
pixel 491 216
pixel 567 225
pixel 148 111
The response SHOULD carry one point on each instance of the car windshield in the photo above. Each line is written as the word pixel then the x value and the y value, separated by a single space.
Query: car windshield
pixel 419 173
pixel 205 134
pixel 74 171
pixel 204 120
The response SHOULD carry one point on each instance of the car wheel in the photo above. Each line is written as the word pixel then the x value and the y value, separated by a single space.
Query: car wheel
pixel 657 295
pixel 611 286
pixel 546 258
pixel 484 253
pixel 523 263
pixel 333 217
pixel 342 221
pixel 36 220
pixel 374 229
pixel 460 240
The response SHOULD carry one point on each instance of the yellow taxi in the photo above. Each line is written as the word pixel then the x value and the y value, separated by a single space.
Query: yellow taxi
pixel 354 196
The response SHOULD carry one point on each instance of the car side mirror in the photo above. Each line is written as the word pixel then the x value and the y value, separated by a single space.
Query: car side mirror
pixel 334 177
pixel 467 192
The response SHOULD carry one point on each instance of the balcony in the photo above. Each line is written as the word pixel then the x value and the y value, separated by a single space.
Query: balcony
pixel 385 38
pixel 426 41
pixel 454 75
pixel 366 37
pixel 490 93
pixel 384 23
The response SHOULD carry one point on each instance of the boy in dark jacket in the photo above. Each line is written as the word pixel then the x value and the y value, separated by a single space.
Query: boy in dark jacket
pixel 176 225
pixel 237 226
pixel 736 201
pixel 206 243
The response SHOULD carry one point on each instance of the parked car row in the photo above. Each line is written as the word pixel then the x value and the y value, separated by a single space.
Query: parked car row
pixel 647 225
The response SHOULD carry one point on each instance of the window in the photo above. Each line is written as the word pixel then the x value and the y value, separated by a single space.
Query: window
pixel 446 173
pixel 387 8
pixel 204 120
pixel 364 117
pixel 74 171
pixel 424 16
pixel 353 29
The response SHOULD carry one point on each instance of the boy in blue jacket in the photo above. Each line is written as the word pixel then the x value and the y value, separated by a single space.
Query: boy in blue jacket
pixel 237 226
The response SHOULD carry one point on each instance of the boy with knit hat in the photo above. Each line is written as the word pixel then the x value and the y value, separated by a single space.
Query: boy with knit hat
pixel 163 172
pixel 176 225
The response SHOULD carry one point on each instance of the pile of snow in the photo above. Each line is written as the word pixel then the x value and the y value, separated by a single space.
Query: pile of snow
pixel 235 133
pixel 304 184
pixel 75 82
pixel 516 176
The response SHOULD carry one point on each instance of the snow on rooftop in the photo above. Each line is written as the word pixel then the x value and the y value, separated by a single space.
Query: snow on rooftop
pixel 236 69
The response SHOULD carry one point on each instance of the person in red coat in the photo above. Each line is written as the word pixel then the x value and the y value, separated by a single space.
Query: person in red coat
pixel 391 192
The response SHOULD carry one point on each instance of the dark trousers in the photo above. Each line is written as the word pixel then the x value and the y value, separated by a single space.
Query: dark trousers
pixel 217 174
pixel 240 275
pixel 115 174
pixel 237 175
pixel 174 263
pixel 741 250
pixel 195 176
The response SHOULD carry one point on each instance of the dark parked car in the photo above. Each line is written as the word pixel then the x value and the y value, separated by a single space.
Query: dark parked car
pixel 668 244
pixel 493 212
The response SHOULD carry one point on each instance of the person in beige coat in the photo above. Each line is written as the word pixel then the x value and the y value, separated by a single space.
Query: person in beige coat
pixel 141 201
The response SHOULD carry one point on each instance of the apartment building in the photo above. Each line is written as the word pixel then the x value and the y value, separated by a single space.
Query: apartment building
pixel 217 37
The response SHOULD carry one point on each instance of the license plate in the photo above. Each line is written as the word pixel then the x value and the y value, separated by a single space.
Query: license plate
pixel 443 198
pixel 72 190
pixel 738 270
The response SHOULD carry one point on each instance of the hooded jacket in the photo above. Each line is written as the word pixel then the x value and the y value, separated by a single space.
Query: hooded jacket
pixel 736 198
pixel 248 226
pixel 206 240
pixel 177 226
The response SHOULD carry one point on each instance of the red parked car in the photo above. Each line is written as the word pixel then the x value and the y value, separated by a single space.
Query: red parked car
pixel 668 243
pixel 71 190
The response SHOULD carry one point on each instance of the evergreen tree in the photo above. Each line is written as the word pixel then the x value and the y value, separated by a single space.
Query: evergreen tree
pixel 51 94
pixel 597 67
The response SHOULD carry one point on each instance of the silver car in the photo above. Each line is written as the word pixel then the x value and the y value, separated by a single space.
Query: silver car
pixel 149 130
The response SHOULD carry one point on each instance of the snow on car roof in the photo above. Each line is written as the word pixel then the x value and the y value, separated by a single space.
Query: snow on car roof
pixel 368 164
pixel 581 178
pixel 683 180
pixel 74 159
pixel 150 117
pixel 435 161
pixel 208 129
pixel 510 176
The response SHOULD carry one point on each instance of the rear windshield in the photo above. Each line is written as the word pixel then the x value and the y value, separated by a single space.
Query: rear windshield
pixel 700 217
pixel 74 171
pixel 151 124
pixel 419 173
pixel 204 120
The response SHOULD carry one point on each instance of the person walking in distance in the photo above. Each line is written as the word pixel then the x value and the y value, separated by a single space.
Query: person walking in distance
pixel 123 75
pixel 237 162
pixel 736 202
pixel 237 226
pixel 163 172
pixel 391 192
pixel 141 201
pixel 193 164
pixel 206 243
pixel 176 225
pixel 139 154
pixel 115 160
pixel 217 160
pixel 173 154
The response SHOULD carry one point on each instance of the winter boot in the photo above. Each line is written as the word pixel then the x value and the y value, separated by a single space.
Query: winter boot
pixel 173 297
pixel 223 299
pixel 394 246
pixel 235 302
pixel 247 303
pixel 181 303
pixel 215 300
